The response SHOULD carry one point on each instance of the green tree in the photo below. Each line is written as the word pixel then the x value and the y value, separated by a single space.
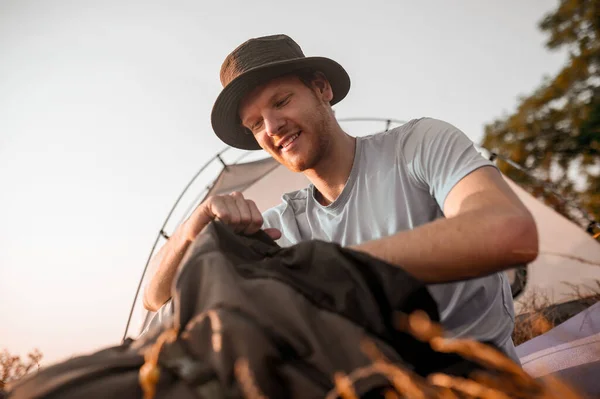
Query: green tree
pixel 555 132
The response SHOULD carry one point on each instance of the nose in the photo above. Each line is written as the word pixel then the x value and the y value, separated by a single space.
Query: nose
pixel 274 124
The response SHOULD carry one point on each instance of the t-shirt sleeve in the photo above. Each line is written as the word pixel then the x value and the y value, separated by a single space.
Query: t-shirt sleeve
pixel 438 155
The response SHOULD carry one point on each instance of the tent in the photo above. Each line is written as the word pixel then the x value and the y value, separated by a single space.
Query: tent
pixel 570 352
pixel 557 269
pixel 264 180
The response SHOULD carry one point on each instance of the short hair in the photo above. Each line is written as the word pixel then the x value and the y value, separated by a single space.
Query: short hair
pixel 308 75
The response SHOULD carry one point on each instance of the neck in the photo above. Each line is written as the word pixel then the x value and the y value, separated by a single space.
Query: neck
pixel 331 174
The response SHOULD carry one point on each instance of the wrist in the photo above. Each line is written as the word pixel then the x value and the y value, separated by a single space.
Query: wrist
pixel 194 225
pixel 187 234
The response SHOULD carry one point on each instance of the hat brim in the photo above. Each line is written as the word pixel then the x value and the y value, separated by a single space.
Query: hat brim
pixel 224 116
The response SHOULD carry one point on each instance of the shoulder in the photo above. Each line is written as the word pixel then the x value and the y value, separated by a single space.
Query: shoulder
pixel 407 140
pixel 410 133
pixel 426 129
pixel 429 139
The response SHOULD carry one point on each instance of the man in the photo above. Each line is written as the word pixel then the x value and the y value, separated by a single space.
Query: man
pixel 418 196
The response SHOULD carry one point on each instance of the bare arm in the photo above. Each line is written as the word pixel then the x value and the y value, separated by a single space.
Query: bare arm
pixel 165 262
pixel 487 229
pixel 232 209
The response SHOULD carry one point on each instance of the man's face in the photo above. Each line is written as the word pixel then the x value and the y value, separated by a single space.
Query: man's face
pixel 290 120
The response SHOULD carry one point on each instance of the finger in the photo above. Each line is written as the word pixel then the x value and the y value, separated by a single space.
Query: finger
pixel 234 212
pixel 244 209
pixel 218 209
pixel 256 219
pixel 202 215
pixel 221 209
pixel 274 233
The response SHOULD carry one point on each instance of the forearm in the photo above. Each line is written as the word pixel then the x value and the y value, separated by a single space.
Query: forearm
pixel 473 244
pixel 165 262
pixel 233 209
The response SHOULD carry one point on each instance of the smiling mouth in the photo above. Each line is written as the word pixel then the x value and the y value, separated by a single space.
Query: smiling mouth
pixel 289 141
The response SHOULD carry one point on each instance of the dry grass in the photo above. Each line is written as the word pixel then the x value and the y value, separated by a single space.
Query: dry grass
pixel 538 316
pixel 535 319
pixel 13 367
pixel 505 379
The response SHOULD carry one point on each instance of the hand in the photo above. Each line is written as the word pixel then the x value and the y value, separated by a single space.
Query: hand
pixel 234 210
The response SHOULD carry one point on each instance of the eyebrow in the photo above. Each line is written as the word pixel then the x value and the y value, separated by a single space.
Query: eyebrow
pixel 270 101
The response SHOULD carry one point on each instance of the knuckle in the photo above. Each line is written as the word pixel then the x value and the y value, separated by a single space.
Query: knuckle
pixel 223 215
pixel 218 204
pixel 234 219
pixel 204 209
pixel 214 202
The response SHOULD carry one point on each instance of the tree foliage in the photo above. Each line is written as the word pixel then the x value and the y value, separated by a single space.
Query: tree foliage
pixel 14 367
pixel 555 132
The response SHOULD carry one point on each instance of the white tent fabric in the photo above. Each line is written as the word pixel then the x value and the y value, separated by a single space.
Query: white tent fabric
pixel 550 274
pixel 239 177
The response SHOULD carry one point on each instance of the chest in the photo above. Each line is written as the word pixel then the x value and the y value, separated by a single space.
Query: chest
pixel 380 204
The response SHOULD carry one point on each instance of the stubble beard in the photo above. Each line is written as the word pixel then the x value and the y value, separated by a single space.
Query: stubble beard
pixel 319 148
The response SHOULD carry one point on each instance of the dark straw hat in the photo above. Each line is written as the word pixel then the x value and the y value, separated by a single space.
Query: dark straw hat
pixel 256 62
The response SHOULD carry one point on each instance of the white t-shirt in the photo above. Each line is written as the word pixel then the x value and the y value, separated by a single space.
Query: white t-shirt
pixel 399 180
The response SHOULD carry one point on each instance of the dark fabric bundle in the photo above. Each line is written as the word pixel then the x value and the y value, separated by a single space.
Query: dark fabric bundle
pixel 249 313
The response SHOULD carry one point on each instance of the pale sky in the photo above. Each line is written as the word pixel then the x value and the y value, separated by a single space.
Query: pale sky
pixel 104 117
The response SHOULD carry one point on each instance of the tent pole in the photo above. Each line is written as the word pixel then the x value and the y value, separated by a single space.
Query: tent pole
pixel 137 291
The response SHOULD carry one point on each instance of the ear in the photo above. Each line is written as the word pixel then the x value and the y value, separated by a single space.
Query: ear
pixel 323 87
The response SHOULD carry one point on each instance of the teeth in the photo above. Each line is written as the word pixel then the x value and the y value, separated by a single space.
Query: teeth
pixel 289 141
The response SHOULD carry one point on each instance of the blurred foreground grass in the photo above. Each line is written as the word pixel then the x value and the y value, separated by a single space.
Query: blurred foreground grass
pixel 502 379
